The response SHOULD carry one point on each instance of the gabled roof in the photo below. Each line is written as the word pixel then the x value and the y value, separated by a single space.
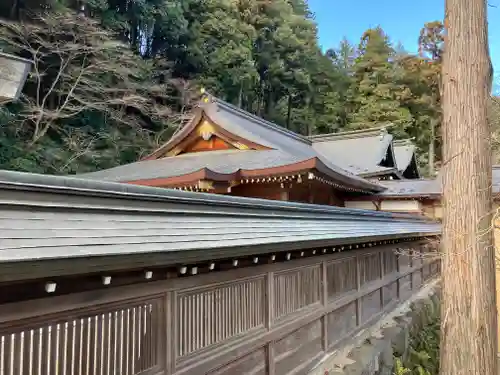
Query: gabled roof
pixel 361 151
pixel 404 151
pixel 243 125
pixel 283 150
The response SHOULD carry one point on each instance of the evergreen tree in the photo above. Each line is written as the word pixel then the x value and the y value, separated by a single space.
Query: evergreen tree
pixel 378 92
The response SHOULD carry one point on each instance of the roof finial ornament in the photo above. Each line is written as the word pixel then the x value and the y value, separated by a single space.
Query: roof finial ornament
pixel 205 97
pixel 383 133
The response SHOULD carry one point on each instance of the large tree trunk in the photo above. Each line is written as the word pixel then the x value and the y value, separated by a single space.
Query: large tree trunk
pixel 469 320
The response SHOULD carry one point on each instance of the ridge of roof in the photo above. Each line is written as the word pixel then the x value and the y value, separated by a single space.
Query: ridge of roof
pixel 350 134
pixel 254 118
pixel 403 142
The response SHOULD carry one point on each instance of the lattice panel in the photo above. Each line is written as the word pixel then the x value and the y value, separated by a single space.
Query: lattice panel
pixel 341 277
pixel 296 289
pixel 370 268
pixel 390 262
pixel 121 342
pixel 212 315
pixel 405 260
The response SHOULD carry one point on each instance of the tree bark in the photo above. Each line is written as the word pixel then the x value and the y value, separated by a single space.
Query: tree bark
pixel 469 315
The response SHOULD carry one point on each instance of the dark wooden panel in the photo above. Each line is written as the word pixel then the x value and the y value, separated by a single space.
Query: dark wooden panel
pixel 298 348
pixel 370 268
pixel 405 287
pixel 417 279
pixel 370 305
pixel 390 262
pixel 341 277
pixel 251 364
pixel 390 293
pixel 341 322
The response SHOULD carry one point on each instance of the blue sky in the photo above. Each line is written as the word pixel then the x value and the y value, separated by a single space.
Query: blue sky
pixel 401 20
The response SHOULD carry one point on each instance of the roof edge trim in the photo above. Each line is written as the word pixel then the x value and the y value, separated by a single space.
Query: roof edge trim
pixel 70 186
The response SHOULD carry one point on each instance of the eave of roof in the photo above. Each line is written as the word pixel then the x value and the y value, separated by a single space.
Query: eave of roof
pixel 52 224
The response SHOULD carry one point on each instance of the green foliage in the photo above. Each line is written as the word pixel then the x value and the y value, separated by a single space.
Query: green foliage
pixel 261 56
pixel 423 352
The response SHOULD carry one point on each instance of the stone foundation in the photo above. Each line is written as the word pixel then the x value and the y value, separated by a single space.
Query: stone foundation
pixel 372 351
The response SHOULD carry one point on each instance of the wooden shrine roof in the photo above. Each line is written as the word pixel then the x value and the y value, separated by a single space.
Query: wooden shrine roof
pixel 269 150
pixel 361 152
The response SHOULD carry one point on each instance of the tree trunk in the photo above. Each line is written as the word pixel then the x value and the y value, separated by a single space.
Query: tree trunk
pixel 240 95
pixel 469 320
pixel 289 112
pixel 431 147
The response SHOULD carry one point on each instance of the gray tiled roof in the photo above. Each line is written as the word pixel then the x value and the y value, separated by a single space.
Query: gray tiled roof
pixel 410 188
pixel 360 152
pixel 427 187
pixel 54 217
pixel 287 148
pixel 224 162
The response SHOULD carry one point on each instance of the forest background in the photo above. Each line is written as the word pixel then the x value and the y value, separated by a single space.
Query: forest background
pixel 113 79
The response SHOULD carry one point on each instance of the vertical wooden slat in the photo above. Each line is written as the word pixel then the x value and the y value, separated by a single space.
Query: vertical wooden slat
pixel 100 344
pixel 28 353
pixel 54 348
pixel 136 339
pixel 126 342
pixel 167 310
pixel 61 348
pixel 70 349
pixel 106 343
pixel 130 340
pixel 17 351
pixel 37 362
pixel 7 354
pixel 270 314
pixel 324 300
pixel 382 273
pixel 79 344
pixel 153 333
pixel 92 345
pixel 358 287
pixel 119 343
pixel 45 352
pixel 85 346
pixel 113 349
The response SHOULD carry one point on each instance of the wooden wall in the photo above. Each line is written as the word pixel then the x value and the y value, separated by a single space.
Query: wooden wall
pixel 273 319
pixel 303 193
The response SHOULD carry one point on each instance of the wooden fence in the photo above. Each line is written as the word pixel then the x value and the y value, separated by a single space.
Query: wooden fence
pixel 272 319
